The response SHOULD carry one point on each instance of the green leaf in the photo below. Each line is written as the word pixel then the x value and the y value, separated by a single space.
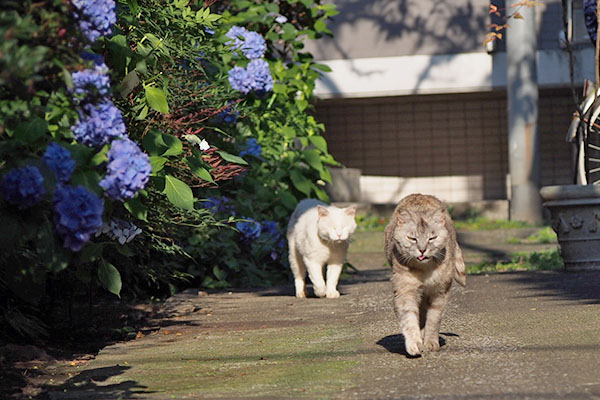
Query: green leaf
pixel 288 200
pixel 110 278
pixel 219 273
pixel 157 99
pixel 322 67
pixel 100 157
pixel 231 158
pixel 280 88
pixel 137 209
pixel 197 168
pixel 313 158
pixel 130 82
pixel 157 143
pixel 142 114
pixel 319 142
pixel 326 175
pixel 91 252
pixel 320 26
pixel 30 131
pixel 300 182
pixel 178 193
pixel 157 163
pixel 289 132
pixel 87 178
pixel 124 250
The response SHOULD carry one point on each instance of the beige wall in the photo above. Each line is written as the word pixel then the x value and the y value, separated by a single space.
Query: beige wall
pixel 453 143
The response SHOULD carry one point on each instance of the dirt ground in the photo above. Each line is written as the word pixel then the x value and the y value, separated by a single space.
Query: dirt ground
pixel 526 335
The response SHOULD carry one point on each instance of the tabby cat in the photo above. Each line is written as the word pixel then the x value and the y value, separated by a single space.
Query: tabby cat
pixel 319 234
pixel 420 245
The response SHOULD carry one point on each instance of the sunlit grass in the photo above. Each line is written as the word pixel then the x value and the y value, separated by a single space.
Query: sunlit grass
pixel 536 261
pixel 545 235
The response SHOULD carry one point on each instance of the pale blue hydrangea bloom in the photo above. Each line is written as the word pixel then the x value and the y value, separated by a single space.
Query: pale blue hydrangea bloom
pixel 95 17
pixel 98 124
pixel 128 170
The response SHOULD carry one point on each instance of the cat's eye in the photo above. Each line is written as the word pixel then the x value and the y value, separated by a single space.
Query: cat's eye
pixel 431 239
pixel 412 239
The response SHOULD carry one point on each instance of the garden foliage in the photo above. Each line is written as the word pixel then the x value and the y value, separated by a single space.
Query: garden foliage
pixel 147 145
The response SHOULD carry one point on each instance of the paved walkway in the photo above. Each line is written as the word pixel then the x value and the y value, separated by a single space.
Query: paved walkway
pixel 505 336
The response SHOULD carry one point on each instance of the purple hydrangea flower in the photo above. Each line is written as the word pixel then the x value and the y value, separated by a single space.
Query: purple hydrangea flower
pixel 23 187
pixel 78 215
pixel 96 79
pixel 98 124
pixel 250 229
pixel 95 17
pixel 240 80
pixel 59 160
pixel 254 45
pixel 261 78
pixel 237 35
pixel 128 170
pixel 216 204
pixel 252 148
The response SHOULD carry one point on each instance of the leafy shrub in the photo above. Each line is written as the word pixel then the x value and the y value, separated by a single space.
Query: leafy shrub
pixel 120 125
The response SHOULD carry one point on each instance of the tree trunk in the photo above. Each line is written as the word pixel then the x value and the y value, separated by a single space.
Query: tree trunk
pixel 523 136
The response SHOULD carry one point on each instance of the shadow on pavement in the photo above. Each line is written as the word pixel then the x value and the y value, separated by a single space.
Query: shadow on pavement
pixel 396 344
pixel 583 286
pixel 85 386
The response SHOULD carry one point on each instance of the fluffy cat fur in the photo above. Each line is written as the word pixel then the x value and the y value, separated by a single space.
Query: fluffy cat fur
pixel 319 235
pixel 421 247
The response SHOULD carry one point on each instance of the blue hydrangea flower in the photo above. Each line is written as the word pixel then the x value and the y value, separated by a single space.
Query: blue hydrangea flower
pixel 254 45
pixel 98 59
pixel 95 17
pixel 23 187
pixel 96 80
pixel 252 148
pixel 228 115
pixel 250 229
pixel 237 35
pixel 98 124
pixel 78 215
pixel 271 230
pixel 59 160
pixel 216 204
pixel 128 170
pixel 261 78
pixel 240 80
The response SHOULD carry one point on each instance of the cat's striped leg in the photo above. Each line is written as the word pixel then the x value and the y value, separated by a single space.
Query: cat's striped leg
pixel 434 319
pixel 315 273
pixel 407 296
pixel 298 270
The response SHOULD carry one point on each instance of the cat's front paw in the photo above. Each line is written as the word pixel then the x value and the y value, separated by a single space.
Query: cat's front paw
pixel 432 344
pixel 320 291
pixel 301 294
pixel 333 294
pixel 414 347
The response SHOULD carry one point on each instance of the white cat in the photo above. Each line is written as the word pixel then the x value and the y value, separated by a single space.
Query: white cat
pixel 319 234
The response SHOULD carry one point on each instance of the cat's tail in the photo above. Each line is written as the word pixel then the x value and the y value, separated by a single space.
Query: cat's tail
pixel 460 273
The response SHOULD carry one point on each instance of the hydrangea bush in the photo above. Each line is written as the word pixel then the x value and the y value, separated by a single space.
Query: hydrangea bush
pixel 175 134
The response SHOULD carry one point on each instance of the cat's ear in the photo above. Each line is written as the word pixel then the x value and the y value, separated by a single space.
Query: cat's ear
pixel 323 211
pixel 404 216
pixel 351 211
pixel 439 217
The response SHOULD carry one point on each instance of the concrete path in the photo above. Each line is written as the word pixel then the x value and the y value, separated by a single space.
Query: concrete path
pixel 504 336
